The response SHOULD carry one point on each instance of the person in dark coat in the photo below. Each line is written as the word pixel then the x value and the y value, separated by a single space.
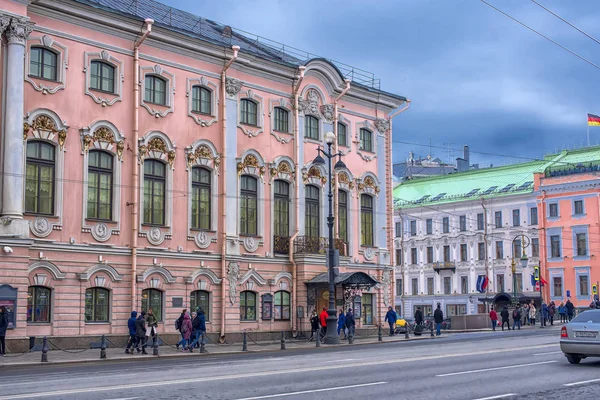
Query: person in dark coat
pixel 517 317
pixel 199 325
pixel 152 324
pixel 3 327
pixel 551 312
pixel 131 327
pixel 570 310
pixel 418 316
pixel 504 315
pixel 350 322
pixel 390 318
pixel 314 325
pixel 140 333
pixel 178 324
pixel 341 325
pixel 438 318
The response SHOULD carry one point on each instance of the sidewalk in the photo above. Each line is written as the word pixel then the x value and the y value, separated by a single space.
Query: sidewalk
pixel 118 354
pixel 498 328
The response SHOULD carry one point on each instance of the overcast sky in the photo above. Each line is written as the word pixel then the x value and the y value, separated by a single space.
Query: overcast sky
pixel 474 76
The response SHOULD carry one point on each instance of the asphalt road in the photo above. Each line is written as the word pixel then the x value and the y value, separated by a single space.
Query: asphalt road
pixel 517 365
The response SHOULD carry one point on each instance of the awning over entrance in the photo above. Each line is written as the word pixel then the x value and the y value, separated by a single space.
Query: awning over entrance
pixel 507 298
pixel 345 279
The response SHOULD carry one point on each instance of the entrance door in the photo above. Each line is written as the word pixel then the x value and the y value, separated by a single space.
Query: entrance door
pixel 322 300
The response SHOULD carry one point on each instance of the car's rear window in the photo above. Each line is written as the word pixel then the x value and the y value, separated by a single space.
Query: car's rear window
pixel 587 316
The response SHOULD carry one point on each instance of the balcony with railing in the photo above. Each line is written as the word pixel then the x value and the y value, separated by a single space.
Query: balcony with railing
pixel 318 245
pixel 444 266
pixel 281 245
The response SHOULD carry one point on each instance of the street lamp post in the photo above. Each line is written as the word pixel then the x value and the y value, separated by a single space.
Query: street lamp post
pixel 524 260
pixel 331 336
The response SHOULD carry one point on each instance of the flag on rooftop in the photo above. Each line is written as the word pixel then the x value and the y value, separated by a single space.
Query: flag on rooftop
pixel 593 120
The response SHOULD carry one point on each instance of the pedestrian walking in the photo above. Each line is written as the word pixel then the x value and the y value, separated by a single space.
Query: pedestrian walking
pixel 390 318
pixel 3 328
pixel 504 315
pixel 152 324
pixel 438 318
pixel 341 325
pixel 140 333
pixel 199 323
pixel 544 314
pixel 350 322
pixel 532 312
pixel 562 311
pixel 323 319
pixel 570 310
pixel 418 316
pixel 314 325
pixel 493 318
pixel 132 330
pixel 551 312
pixel 186 331
pixel 178 323
pixel 525 313
pixel 517 317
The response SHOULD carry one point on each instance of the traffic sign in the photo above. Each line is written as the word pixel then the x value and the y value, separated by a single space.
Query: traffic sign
pixel 594 289
pixel 536 273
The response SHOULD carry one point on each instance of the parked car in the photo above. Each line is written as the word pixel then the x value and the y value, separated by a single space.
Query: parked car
pixel 580 338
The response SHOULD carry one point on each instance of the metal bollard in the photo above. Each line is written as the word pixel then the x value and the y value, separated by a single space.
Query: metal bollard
pixel 202 345
pixel 432 335
pixel 245 343
pixel 103 347
pixel 406 336
pixel 45 350
pixel 155 340
pixel 318 338
pixel 282 341
pixel 379 334
pixel 351 335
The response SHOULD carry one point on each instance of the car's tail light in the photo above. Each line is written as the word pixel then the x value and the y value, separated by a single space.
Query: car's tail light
pixel 563 332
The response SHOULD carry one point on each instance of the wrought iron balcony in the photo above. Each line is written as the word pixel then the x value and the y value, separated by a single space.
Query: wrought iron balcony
pixel 444 266
pixel 318 245
pixel 281 244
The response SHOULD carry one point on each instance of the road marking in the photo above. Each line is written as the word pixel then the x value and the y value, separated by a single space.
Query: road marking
pixel 550 352
pixel 581 383
pixel 125 398
pixel 345 359
pixel 500 396
pixel 270 396
pixel 474 371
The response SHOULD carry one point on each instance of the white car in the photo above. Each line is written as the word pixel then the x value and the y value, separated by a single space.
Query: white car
pixel 580 338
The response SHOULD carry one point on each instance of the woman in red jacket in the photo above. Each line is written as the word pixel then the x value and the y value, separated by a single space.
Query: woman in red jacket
pixel 323 318
pixel 494 318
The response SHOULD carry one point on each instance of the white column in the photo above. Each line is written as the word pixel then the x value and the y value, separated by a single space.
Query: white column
pixel 14 170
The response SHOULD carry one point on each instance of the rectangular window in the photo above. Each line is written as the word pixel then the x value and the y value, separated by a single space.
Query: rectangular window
pixel 463 253
pixel 413 228
pixel 100 174
pixel 155 90
pixel 399 287
pixel 462 221
pixel 533 216
pixel 446 253
pixel 584 285
pixel 38 304
pixel 557 285
pixel 102 77
pixel 581 244
pixel 578 207
pixel 429 224
pixel 481 251
pixel 499 250
pixel 446 225
pixel 415 286
pixel 201 198
pixel 480 222
pixel 281 120
pixel 366 220
pixel 447 285
pixel 39 179
pixel 429 255
pixel 154 192
pixel 96 305
pixel 516 214
pixel 455 310
pixel 553 210
pixel 464 285
pixel 555 246
pixel 430 286
pixel 517 249
pixel 500 283
pixel 398 229
pixel 498 219
pixel 249 112
pixel 413 256
pixel 153 299
pixel 342 135
pixel 398 257
pixel 366 140
pixel 249 206
pixel 535 247
pixel 281 209
pixel 311 127
pixel 519 279
pixel 343 215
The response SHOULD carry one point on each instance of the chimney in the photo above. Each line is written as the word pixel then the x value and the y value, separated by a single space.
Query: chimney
pixel 466 154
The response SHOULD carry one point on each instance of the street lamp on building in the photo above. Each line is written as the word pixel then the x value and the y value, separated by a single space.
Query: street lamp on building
pixel 523 260
pixel 332 336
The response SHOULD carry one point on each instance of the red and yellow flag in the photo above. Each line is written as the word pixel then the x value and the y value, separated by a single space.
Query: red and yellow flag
pixel 593 120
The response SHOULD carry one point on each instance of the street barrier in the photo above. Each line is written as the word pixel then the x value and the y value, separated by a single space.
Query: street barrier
pixel 45 350
pixel 245 343
pixel 103 348
pixel 282 341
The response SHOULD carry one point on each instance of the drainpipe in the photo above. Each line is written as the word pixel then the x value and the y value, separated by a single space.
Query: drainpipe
pixel 487 266
pixel 295 90
pixel 336 233
pixel 543 244
pixel 235 49
pixel 135 211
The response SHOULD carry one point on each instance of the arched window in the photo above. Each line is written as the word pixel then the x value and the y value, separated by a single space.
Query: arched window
pixel 248 205
pixel 200 299
pixel 155 90
pixel 154 192
pixel 343 215
pixel 367 308
pixel 311 127
pixel 281 120
pixel 247 306
pixel 153 299
pixel 97 301
pixel 366 220
pixel 39 181
pixel 366 140
pixel 312 206
pixel 43 63
pixel 102 77
pixel 201 100
pixel 201 198
pixel 100 183
pixel 249 112
pixel 38 304
pixel 281 306
pixel 342 134
pixel 281 209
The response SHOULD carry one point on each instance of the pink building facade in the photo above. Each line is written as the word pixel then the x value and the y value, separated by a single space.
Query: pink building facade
pixel 153 166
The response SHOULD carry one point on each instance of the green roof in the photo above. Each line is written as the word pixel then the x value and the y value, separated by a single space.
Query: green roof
pixel 490 182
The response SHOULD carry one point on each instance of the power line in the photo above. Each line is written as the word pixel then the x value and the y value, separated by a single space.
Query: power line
pixel 540 34
pixel 567 22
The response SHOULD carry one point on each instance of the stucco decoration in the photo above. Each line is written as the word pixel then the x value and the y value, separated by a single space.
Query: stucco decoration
pixel 368 183
pixel 156 269
pixel 382 125
pixel 233 275
pixel 204 272
pixel 313 175
pixel 101 232
pixel 255 276
pixel 365 155
pixel 346 181
pixel 157 145
pixel 155 236
pixel 232 87
pixel 386 281
pixel 203 153
pixel 41 227
pixel 103 135
pixel 204 120
pixel 48 266
pixel 105 268
pixel 158 110
pixel 310 104
pixel 285 136
pixel 250 244
pixel 282 277
pixel 100 97
pixel 43 85
pixel 327 112
pixel 369 253
pixel 282 168
pixel 250 130
pixel 252 163
pixel 4 21
pixel 202 239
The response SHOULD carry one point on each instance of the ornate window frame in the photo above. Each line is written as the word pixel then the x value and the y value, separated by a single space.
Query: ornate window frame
pixel 282 137
pixel 103 98
pixel 214 101
pixel 252 163
pixel 155 109
pixel 249 130
pixel 364 154
pixel 202 153
pixel 43 85
pixel 103 135
pixel 45 125
pixel 312 102
pixel 157 145
pixel 206 280
pixel 317 176
pixel 369 184
pixel 282 168
pixel 345 181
